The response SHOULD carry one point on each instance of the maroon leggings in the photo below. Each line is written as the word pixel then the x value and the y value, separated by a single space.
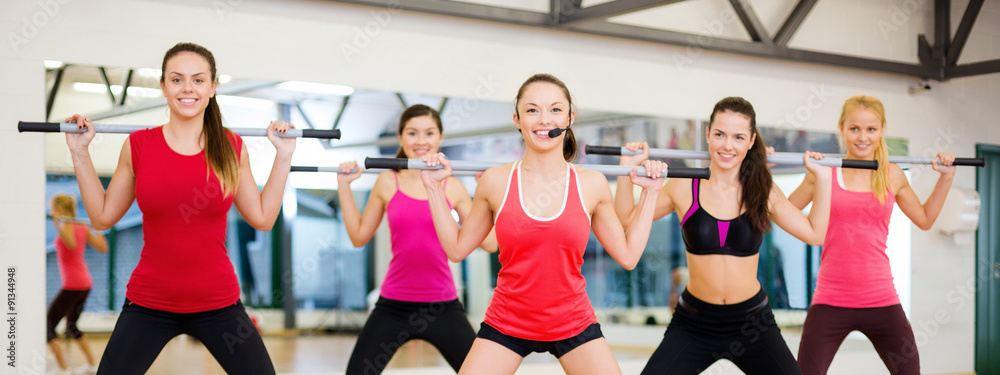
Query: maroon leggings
pixel 826 327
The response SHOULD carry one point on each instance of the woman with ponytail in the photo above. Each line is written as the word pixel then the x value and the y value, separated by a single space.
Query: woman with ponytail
pixel 543 209
pixel 854 288
pixel 419 278
pixel 724 313
pixel 185 175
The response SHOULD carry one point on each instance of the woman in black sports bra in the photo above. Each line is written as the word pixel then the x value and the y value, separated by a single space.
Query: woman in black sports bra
pixel 723 313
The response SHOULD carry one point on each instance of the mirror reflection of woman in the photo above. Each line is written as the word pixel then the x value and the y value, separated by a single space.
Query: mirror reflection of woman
pixel 71 242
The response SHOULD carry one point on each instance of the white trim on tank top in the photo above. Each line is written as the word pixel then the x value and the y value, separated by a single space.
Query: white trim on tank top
pixel 506 190
pixel 579 193
pixel 520 196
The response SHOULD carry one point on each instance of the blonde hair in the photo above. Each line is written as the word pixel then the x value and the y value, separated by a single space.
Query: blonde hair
pixel 65 202
pixel 880 182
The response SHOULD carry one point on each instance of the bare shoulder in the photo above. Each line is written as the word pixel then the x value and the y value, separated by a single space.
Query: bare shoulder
pixel 678 185
pixel 385 185
pixel 496 175
pixel 897 178
pixel 589 176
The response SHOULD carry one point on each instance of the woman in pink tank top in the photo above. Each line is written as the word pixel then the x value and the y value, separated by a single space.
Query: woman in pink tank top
pixel 543 209
pixel 186 175
pixel 71 242
pixel 854 288
pixel 418 286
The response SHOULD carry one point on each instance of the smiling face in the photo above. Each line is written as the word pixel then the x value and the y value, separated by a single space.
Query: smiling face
pixel 420 136
pixel 542 106
pixel 862 132
pixel 187 84
pixel 729 138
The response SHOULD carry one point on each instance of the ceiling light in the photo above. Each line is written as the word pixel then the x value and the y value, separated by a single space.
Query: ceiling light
pixel 316 88
pixel 244 102
pixel 52 64
pixel 97 88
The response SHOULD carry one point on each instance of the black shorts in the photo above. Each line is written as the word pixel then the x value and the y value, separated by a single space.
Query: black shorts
pixel 524 347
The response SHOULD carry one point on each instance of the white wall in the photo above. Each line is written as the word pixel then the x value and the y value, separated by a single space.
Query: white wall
pixel 303 40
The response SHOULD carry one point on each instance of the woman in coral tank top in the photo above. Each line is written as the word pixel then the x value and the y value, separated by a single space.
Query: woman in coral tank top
pixel 854 288
pixel 418 286
pixel 543 209
pixel 70 245
pixel 185 175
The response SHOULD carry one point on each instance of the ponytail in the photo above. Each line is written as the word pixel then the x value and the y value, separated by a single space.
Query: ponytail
pixel 219 150
pixel 569 145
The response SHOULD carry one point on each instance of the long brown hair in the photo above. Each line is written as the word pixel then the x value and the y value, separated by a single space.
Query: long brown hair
pixel 569 144
pixel 219 150
pixel 755 176
pixel 412 113
pixel 880 181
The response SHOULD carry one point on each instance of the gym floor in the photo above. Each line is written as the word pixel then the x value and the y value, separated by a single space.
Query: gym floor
pixel 328 355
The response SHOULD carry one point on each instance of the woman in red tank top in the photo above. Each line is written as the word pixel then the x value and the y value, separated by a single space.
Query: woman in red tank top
pixel 854 288
pixel 71 242
pixel 543 209
pixel 185 175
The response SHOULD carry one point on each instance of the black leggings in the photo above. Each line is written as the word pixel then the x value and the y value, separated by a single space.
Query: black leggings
pixel 69 304
pixel 701 333
pixel 393 323
pixel 227 333
pixel 826 327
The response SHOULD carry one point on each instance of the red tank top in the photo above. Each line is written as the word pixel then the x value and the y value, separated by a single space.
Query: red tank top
pixel 184 267
pixel 541 294
pixel 72 267
pixel 854 269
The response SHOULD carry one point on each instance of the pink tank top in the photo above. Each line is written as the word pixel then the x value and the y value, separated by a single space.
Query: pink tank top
pixel 854 268
pixel 541 294
pixel 72 267
pixel 419 270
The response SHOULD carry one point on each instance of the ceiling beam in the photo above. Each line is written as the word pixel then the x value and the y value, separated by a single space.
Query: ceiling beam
pixel 750 21
pixel 751 48
pixel 608 10
pixel 793 22
pixel 964 28
pixel 459 9
pixel 973 69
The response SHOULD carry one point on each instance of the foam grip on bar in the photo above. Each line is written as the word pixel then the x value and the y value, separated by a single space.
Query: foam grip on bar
pixel 970 162
pixel 680 172
pixel 321 134
pixel 602 150
pixel 386 163
pixel 859 164
pixel 296 168
pixel 43 127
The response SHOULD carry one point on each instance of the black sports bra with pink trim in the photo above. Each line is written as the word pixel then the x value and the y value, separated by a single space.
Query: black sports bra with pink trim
pixel 704 234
